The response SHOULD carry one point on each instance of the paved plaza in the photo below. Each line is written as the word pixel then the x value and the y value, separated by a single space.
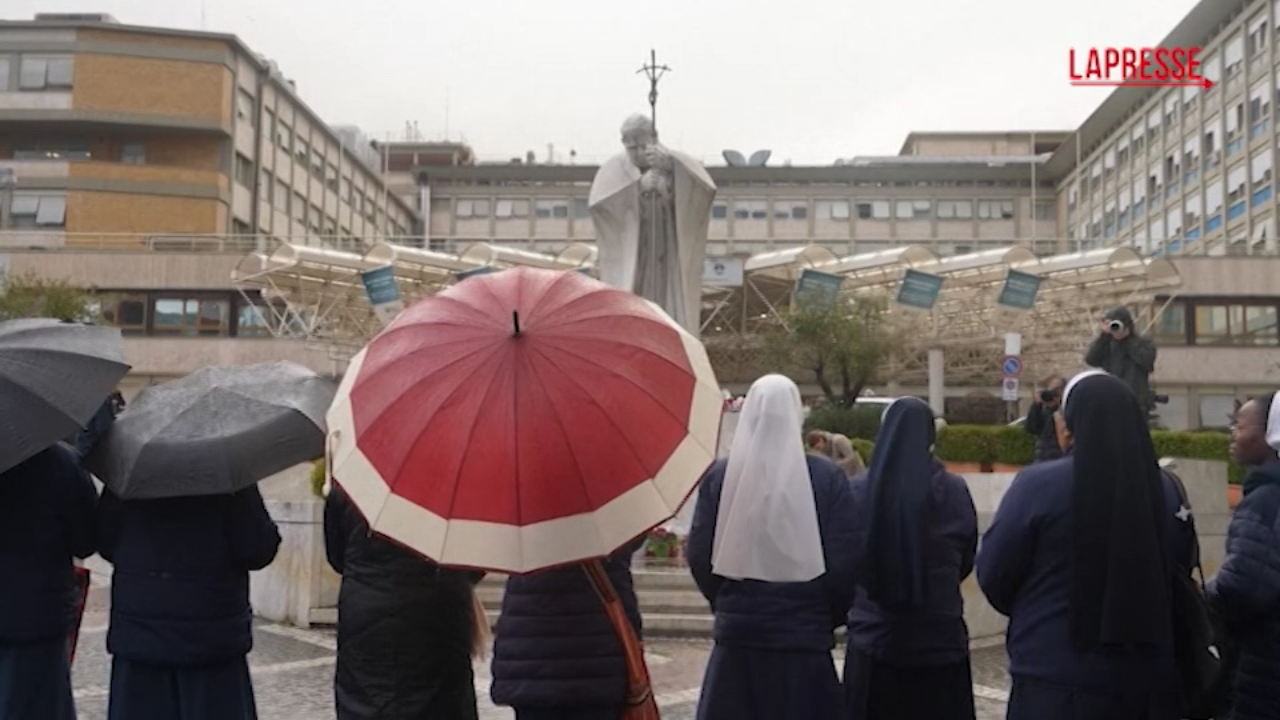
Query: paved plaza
pixel 293 673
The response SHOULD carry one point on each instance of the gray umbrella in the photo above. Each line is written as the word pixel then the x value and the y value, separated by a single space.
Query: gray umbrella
pixel 54 376
pixel 215 431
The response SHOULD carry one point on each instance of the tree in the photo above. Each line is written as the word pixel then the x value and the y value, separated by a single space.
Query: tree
pixel 848 342
pixel 31 296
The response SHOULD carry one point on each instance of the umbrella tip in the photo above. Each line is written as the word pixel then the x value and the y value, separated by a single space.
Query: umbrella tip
pixel 515 321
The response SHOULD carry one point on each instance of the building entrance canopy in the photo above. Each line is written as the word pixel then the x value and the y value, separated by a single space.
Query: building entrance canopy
pixel 318 293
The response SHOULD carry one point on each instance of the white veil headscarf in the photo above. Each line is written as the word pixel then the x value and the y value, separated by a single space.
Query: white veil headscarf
pixel 767 522
pixel 1273 424
pixel 1071 384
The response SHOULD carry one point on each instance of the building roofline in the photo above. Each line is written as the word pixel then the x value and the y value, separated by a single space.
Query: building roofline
pixel 974 134
pixel 888 173
pixel 261 63
pixel 1200 25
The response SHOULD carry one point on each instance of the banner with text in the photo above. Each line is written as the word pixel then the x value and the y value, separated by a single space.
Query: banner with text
pixel 1019 290
pixel 919 290
pixel 818 289
pixel 383 292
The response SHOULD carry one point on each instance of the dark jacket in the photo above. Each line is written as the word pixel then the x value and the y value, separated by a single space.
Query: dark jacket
pixel 180 588
pixel 1039 423
pixel 46 518
pixel 554 646
pixel 1247 591
pixel 935 634
pixel 1024 568
pixel 404 626
pixel 1132 360
pixel 99 424
pixel 781 616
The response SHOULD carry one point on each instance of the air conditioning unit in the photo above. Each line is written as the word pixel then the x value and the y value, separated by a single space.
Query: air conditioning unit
pixel 77 17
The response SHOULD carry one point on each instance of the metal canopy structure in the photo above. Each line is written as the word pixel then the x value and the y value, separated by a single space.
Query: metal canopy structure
pixel 319 294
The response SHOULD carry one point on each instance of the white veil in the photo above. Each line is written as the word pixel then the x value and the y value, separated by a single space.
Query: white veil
pixel 767 522
pixel 1273 424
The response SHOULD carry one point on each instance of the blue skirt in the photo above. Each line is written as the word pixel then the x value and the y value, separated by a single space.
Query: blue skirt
pixel 35 681
pixel 762 684
pixel 876 690
pixel 140 691
pixel 1039 700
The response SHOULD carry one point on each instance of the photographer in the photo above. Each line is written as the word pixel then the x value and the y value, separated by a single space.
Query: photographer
pixel 1039 420
pixel 1120 351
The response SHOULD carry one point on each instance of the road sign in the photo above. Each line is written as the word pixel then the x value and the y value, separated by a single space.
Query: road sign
pixel 1010 389
pixel 1012 366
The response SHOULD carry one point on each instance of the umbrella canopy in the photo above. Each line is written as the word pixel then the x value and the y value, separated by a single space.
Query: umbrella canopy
pixel 53 377
pixel 215 431
pixel 523 420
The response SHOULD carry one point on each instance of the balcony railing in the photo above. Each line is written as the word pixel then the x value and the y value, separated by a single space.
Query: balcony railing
pixel 54 239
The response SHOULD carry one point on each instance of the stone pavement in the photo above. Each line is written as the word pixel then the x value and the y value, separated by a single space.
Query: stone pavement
pixel 293 673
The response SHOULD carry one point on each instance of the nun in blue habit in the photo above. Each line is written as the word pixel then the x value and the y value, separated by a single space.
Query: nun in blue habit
pixel 771 547
pixel 46 518
pixel 908 654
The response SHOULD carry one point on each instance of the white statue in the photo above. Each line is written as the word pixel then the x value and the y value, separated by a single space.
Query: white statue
pixel 651 207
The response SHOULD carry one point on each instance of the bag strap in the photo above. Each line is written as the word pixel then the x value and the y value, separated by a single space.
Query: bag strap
pixel 1190 520
pixel 639 687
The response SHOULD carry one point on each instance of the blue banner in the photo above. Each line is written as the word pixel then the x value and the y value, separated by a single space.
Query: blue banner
pixel 919 290
pixel 818 289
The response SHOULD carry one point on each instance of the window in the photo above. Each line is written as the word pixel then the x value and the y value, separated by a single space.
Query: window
pixel 1153 126
pixel 913 210
pixel 1173 222
pixel 1211 68
pixel 873 210
pixel 1137 141
pixel 472 208
pixel 284 137
pixel 315 219
pixel 995 209
pixel 301 150
pixel 1225 323
pixel 1049 210
pixel 1171 325
pixel 268 124
pixel 281 199
pixel 1236 179
pixel 511 209
pixel 1171 111
pixel 1260 169
pixel 191 316
pixel 64 150
pixel 331 177
pixel 127 312
pixel 581 210
pixel 831 209
pixel 1190 96
pixel 244 171
pixel 1122 155
pixel 1234 56
pixel 1211 141
pixel 133 153
pixel 1257 40
pixel 4 74
pixel 557 209
pixel 254 320
pixel 51 72
pixel 299 208
pixel 719 210
pixel 750 209
pixel 344 193
pixel 1213 198
pixel 790 209
pixel 1109 161
pixel 38 210
pixel 265 185
pixel 1155 181
pixel 956 209
pixel 244 106
pixel 1259 109
pixel 317 164
pixel 1191 211
pixel 241 228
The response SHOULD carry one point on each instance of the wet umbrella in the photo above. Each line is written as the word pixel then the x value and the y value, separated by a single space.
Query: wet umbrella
pixel 216 431
pixel 54 376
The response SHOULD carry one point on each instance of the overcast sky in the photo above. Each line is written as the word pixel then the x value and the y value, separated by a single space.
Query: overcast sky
pixel 812 80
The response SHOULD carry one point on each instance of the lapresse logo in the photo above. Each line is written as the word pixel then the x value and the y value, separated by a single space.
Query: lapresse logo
pixel 1138 67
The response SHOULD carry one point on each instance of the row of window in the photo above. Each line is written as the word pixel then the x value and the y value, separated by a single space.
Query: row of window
pixel 133 152
pixel 1213 321
pixel 169 313
pixel 278 194
pixel 38 211
pixel 35 73
pixel 783 210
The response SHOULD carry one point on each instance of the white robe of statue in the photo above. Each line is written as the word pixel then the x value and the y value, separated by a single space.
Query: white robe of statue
pixel 651 207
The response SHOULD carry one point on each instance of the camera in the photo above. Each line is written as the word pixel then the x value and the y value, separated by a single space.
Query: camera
pixel 1115 326
pixel 1048 396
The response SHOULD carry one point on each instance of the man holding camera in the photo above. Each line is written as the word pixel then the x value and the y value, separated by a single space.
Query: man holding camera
pixel 1120 351
pixel 1039 420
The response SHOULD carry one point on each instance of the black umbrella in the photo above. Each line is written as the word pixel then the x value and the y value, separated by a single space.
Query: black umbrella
pixel 216 431
pixel 54 376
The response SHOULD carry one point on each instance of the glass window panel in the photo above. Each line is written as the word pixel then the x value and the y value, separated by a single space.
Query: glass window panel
pixel 32 73
pixel 53 211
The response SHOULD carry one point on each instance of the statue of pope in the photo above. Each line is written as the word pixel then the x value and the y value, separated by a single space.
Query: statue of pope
pixel 651 207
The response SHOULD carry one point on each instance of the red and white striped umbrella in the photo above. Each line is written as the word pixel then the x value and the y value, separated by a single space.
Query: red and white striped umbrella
pixel 523 420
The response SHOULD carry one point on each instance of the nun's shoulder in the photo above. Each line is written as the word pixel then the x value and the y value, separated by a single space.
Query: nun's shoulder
pixel 823 468
pixel 1045 473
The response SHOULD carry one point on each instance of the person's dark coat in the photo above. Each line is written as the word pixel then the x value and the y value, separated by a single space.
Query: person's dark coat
pixel 776 637
pixel 1132 359
pixel 935 632
pixel 180 585
pixel 1040 423
pixel 554 647
pixel 1247 591
pixel 46 519
pixel 405 626
pixel 1024 569
pixel 98 425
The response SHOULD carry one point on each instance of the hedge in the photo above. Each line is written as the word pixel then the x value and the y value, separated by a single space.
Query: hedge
pixel 1005 445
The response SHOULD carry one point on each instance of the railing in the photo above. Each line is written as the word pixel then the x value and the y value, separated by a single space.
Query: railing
pixel 54 240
